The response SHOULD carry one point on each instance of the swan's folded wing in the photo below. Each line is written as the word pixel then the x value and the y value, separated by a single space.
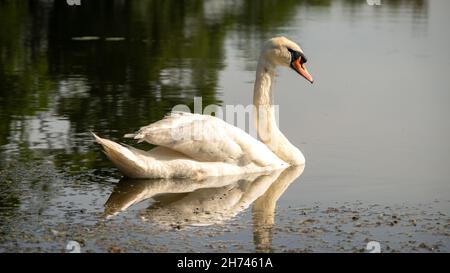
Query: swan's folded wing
pixel 206 138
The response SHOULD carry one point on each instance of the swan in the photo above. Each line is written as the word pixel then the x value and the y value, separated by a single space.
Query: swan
pixel 217 148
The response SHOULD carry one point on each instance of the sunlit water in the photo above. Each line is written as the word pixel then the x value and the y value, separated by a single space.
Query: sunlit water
pixel 373 127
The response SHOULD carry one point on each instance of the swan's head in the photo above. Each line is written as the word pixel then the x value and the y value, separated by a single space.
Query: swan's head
pixel 280 51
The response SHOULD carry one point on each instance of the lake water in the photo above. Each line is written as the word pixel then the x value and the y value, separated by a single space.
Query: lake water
pixel 373 127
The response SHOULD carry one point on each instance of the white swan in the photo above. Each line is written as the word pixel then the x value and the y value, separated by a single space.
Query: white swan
pixel 216 148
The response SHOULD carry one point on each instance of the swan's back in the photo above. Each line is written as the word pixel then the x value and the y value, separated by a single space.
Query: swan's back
pixel 207 139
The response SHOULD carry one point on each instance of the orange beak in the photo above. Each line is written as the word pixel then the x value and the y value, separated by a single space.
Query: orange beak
pixel 301 69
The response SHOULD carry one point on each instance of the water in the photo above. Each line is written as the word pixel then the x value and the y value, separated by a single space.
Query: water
pixel 373 127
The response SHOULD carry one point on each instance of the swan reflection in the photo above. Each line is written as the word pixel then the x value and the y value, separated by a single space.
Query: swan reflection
pixel 186 202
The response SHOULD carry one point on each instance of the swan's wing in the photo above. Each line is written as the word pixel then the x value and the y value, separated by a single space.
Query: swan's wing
pixel 206 138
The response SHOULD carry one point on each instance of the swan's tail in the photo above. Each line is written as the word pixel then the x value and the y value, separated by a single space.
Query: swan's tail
pixel 130 161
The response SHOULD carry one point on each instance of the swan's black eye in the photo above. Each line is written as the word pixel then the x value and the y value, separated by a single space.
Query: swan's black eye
pixel 296 54
pixel 303 59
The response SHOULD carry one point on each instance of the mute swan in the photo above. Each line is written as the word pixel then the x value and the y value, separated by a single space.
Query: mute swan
pixel 218 148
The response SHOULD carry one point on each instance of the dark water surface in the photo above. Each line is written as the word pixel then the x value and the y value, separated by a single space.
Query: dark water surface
pixel 374 127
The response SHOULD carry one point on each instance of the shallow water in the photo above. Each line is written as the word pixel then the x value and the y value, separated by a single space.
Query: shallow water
pixel 373 127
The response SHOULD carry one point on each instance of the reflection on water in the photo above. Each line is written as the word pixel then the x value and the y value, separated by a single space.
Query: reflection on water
pixel 264 208
pixel 186 202
pixel 113 66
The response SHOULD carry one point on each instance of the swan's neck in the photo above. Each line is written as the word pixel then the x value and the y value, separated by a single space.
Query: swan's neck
pixel 266 125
